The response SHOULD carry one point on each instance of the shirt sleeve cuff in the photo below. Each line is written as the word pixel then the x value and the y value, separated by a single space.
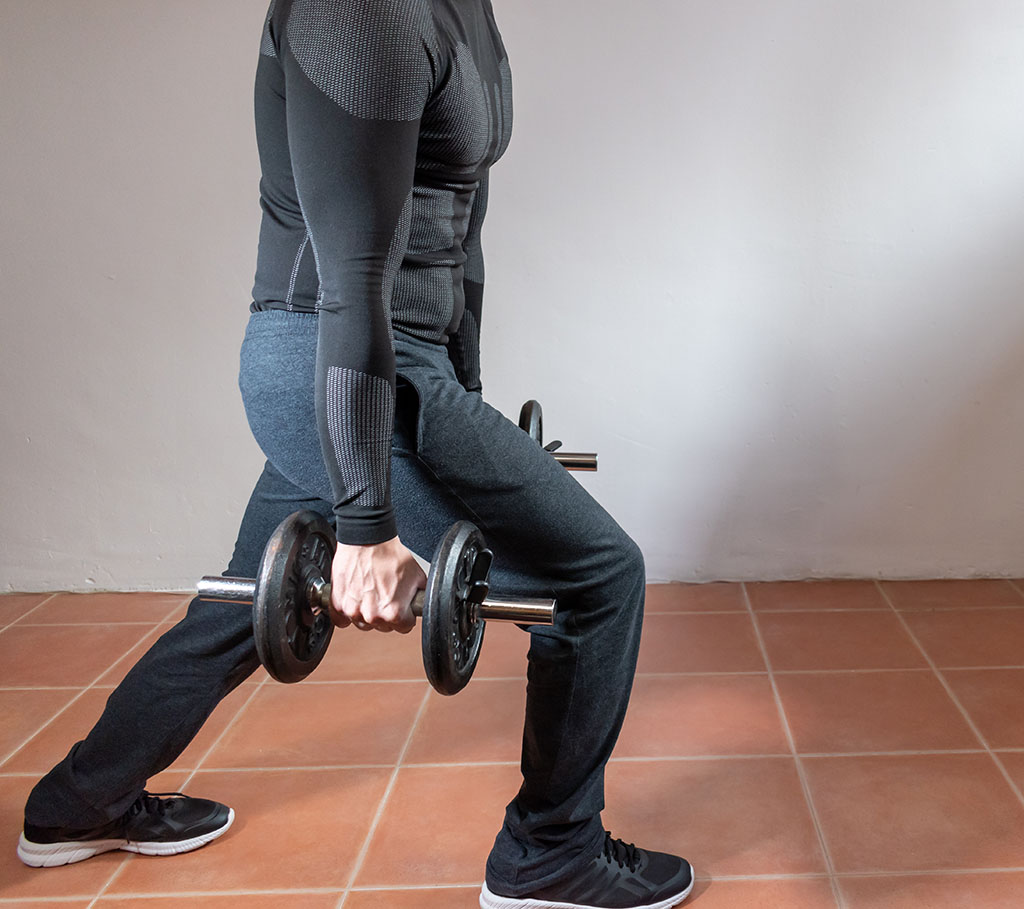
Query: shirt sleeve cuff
pixel 360 526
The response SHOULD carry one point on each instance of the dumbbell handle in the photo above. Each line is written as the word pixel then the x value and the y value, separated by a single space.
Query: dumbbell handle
pixel 492 609
pixel 576 460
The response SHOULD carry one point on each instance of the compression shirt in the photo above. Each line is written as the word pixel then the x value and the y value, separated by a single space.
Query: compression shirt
pixel 377 122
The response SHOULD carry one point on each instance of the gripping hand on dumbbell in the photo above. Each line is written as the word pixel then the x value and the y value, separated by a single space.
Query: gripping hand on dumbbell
pixel 294 612
pixel 373 586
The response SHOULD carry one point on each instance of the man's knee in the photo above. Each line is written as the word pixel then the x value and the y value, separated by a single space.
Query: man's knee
pixel 625 562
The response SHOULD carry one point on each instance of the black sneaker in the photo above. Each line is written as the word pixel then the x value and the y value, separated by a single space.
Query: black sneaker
pixel 162 823
pixel 621 877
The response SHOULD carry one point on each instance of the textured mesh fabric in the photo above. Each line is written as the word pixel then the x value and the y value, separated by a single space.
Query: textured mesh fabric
pixel 363 54
pixel 622 877
pixel 361 413
pixel 460 128
pixel 267 48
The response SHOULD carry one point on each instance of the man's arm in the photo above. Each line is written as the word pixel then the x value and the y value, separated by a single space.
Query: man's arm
pixel 355 91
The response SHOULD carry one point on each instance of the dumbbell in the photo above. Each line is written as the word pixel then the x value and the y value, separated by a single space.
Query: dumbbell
pixel 531 421
pixel 292 593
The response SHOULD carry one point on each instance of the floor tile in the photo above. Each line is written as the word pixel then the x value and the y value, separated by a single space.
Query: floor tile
pixel 23 713
pixel 700 715
pixel 815 595
pixel 448 898
pixel 84 879
pixel 503 654
pixel 15 605
pixel 105 608
pixel 228 901
pixel 992 699
pixel 73 656
pixel 872 711
pixel 971 637
pixel 371 656
pixel 699 643
pixel 115 675
pixel 483 723
pixel 53 742
pixel 310 725
pixel 769 894
pixel 291 829
pixel 1014 763
pixel 917 813
pixel 983 891
pixel 727 817
pixel 214 726
pixel 838 640
pixel 694 598
pixel 176 615
pixel 439 825
pixel 951 594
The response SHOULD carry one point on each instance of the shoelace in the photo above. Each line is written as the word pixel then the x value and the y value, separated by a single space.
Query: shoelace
pixel 152 803
pixel 625 854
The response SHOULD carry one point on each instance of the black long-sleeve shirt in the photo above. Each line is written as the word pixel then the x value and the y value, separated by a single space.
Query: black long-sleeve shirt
pixel 377 122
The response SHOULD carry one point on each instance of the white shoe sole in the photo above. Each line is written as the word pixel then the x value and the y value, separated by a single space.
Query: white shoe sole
pixel 50 855
pixel 489 901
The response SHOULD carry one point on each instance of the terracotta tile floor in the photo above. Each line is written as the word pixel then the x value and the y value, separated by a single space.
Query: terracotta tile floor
pixel 843 745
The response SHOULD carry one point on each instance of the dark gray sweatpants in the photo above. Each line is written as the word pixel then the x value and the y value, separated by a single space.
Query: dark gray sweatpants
pixel 454 457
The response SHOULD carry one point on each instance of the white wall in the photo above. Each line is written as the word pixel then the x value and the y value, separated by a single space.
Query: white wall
pixel 765 257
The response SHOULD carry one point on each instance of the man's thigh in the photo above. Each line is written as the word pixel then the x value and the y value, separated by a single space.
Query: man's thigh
pixel 456 457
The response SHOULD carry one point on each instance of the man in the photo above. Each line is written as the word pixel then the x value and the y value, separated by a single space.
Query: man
pixel 377 123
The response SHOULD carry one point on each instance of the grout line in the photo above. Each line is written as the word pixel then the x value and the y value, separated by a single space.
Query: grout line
pixel 302 768
pixel 1014 788
pixel 202 760
pixel 802 754
pixel 435 888
pixel 56 625
pixel 933 872
pixel 977 607
pixel 310 683
pixel 942 872
pixel 361 857
pixel 640 675
pixel 860 754
pixel 790 610
pixel 20 902
pixel 820 609
pixel 77 697
pixel 4 688
pixel 800 770
pixel 110 880
pixel 186 894
pixel 21 623
pixel 45 599
pixel 656 759
pixel 739 673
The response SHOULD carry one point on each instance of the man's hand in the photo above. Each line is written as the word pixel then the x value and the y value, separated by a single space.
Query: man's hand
pixel 372 586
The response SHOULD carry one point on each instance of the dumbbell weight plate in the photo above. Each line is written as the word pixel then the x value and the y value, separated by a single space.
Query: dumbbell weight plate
pixel 451 636
pixel 290 639
pixel 531 421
